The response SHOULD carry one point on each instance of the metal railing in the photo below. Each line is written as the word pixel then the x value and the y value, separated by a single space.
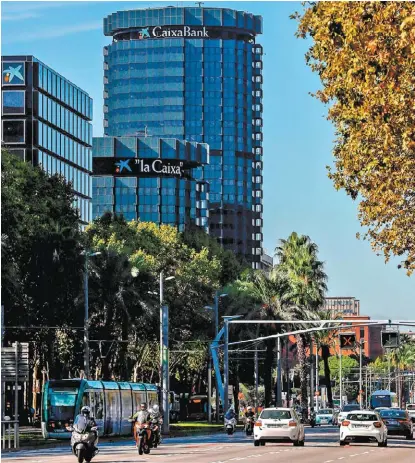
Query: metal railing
pixel 10 434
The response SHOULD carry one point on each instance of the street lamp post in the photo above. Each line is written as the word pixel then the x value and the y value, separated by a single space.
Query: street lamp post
pixel 164 354
pixel 226 361
pixel 86 314
pixel 216 310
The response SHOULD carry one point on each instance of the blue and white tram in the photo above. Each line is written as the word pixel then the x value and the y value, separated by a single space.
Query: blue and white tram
pixel 111 405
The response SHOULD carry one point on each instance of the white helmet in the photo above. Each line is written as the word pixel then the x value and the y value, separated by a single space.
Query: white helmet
pixel 85 410
pixel 155 408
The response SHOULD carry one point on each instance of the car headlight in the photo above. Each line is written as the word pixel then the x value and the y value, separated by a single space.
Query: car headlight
pixel 85 436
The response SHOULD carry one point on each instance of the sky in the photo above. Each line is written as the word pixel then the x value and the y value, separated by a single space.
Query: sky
pixel 298 140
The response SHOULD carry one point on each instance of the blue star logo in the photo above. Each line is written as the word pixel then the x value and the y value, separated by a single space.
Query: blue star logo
pixel 123 165
pixel 11 73
pixel 145 33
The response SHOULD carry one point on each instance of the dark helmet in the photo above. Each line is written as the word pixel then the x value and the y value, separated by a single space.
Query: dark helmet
pixel 85 410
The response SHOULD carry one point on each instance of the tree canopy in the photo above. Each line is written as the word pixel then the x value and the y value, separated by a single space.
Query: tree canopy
pixel 364 53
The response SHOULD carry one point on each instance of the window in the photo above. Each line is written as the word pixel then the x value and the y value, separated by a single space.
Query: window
pixel 13 131
pixel 13 102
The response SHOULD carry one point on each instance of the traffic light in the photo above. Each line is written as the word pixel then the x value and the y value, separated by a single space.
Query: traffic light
pixel 347 340
pixel 390 339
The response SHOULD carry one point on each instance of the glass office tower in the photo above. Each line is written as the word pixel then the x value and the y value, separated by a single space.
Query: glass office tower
pixel 151 179
pixel 195 74
pixel 46 120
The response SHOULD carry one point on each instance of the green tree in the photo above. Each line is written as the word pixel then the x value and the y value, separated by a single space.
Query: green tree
pixel 41 247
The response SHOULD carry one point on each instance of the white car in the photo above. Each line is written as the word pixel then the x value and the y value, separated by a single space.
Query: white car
pixel 345 410
pixel 363 426
pixel 279 425
pixel 410 408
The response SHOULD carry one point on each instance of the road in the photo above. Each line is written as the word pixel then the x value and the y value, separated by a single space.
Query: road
pixel 321 447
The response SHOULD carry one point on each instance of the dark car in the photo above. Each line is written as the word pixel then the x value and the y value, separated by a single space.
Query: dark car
pixel 397 422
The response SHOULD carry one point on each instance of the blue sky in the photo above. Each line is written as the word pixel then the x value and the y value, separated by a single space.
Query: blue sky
pixel 298 139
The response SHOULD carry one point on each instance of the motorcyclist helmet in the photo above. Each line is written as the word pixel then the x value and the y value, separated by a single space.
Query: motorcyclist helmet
pixel 249 409
pixel 85 410
pixel 143 406
pixel 155 408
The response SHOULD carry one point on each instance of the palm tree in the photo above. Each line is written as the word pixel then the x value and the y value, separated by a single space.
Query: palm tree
pixel 298 260
pixel 326 339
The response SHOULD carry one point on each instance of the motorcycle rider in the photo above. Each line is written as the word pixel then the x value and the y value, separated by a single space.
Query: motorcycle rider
pixel 156 419
pixel 90 423
pixel 142 415
pixel 250 413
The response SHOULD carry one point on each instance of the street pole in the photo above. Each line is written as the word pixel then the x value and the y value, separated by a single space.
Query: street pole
pixel 312 392
pixel 165 369
pixel 340 378
pixel 360 374
pixel 86 320
pixel 317 379
pixel 209 404
pixel 226 368
pixel 278 391
pixel 287 370
pixel 161 330
pixel 216 333
pixel 256 380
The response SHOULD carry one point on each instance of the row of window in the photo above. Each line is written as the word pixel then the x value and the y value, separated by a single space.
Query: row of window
pixel 13 102
pixel 81 181
pixel 64 118
pixel 58 143
pixel 63 90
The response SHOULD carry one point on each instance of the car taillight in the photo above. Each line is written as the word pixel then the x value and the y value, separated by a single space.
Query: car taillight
pixel 292 423
pixel 345 423
pixel 377 424
pixel 258 423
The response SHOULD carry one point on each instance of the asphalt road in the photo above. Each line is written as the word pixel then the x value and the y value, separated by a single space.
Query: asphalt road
pixel 321 447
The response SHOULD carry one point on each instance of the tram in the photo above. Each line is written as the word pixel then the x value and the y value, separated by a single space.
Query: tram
pixel 112 404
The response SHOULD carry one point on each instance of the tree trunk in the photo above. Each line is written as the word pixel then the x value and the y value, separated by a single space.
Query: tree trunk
pixel 302 360
pixel 269 360
pixel 325 353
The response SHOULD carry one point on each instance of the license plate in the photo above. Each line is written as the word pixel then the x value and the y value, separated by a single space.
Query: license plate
pixel 392 422
pixel 360 426
pixel 323 421
pixel 275 425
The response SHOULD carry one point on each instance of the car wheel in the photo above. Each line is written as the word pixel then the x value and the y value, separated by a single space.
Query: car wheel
pixel 301 443
pixel 296 443
pixel 256 443
pixel 342 443
pixel 409 436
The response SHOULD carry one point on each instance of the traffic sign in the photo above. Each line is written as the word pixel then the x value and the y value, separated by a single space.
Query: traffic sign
pixel 15 361
pixel 390 339
pixel 347 340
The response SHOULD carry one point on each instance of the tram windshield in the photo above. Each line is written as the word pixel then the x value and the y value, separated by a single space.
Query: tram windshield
pixel 61 403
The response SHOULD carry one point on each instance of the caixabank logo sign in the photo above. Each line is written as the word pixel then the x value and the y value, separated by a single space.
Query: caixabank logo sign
pixel 161 32
pixel 142 167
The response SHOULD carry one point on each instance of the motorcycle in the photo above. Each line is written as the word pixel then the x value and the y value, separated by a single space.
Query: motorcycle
pixel 83 442
pixel 143 437
pixel 156 435
pixel 230 425
pixel 249 426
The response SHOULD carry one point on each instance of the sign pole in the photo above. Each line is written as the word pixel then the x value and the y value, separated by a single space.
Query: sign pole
pixel 16 396
pixel 166 386
pixel 340 375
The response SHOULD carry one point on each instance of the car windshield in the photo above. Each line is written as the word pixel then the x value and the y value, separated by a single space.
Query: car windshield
pixel 276 415
pixel 362 417
pixel 350 408
pixel 392 414
pixel 325 411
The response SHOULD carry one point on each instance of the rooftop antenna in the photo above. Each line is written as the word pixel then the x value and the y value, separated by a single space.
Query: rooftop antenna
pixel 199 4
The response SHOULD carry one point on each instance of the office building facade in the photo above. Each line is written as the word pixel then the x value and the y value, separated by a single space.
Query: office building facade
pixel 345 306
pixel 195 74
pixel 46 120
pixel 151 179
